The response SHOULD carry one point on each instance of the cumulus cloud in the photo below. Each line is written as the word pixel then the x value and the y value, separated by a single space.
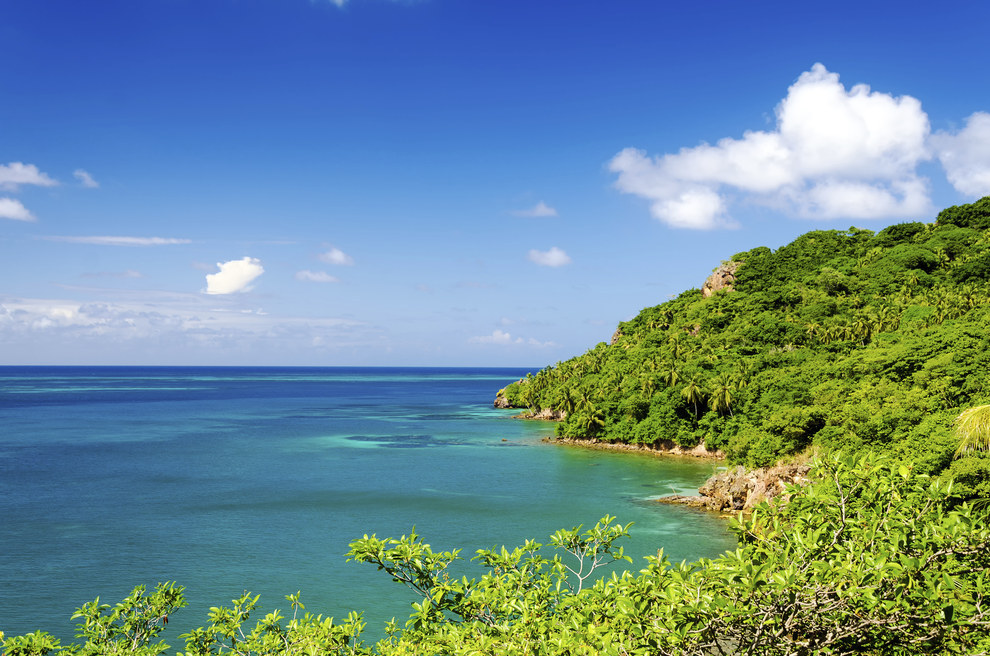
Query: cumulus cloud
pixel 315 276
pixel 541 209
pixel 234 276
pixel 11 208
pixel 15 174
pixel 551 258
pixel 85 179
pixel 835 153
pixel 107 240
pixel 338 257
pixel 965 156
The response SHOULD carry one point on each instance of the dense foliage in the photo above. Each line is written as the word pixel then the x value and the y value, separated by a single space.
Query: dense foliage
pixel 870 558
pixel 843 339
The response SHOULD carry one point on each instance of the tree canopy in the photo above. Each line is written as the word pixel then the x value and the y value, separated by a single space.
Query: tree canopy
pixel 842 339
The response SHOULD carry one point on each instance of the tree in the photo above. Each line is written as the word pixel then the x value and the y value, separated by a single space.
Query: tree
pixel 693 393
pixel 721 395
pixel 973 429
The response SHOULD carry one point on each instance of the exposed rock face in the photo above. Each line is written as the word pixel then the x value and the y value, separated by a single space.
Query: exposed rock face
pixel 722 278
pixel 741 489
pixel 501 401
pixel 546 414
pixel 615 337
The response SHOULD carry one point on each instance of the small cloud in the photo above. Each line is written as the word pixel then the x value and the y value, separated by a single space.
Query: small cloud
pixel 541 209
pixel 234 276
pixel 551 258
pixel 315 276
pixel 503 338
pixel 85 179
pixel 338 257
pixel 121 241
pixel 11 208
pixel 497 337
pixel 15 174
pixel 965 156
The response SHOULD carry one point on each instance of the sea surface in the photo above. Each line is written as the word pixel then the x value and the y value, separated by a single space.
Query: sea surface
pixel 229 480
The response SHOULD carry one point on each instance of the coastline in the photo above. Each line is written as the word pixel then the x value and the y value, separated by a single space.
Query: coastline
pixel 664 448
pixel 732 490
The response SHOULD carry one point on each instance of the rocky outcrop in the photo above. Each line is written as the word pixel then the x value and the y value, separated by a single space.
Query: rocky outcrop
pixel 741 489
pixel 615 337
pixel 546 414
pixel 722 278
pixel 501 401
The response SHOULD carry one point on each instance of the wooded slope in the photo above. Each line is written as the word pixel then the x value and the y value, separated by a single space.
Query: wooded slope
pixel 842 339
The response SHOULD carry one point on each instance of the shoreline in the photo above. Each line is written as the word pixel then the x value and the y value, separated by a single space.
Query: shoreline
pixel 660 449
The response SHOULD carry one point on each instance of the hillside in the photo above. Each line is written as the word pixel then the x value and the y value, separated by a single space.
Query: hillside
pixel 842 339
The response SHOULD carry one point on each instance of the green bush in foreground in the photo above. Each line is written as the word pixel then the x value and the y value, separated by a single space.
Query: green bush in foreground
pixel 870 558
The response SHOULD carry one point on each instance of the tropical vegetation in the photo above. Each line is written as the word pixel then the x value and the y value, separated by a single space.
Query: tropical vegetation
pixel 841 340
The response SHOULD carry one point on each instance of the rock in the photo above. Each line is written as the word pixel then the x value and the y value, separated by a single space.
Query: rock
pixel 741 489
pixel 615 337
pixel 546 414
pixel 722 278
pixel 502 402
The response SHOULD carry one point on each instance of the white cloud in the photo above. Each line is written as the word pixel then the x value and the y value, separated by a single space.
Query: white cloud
pixel 15 174
pixel 551 258
pixel 502 338
pixel 965 156
pixel 541 209
pixel 497 337
pixel 107 240
pixel 338 257
pixel 234 276
pixel 85 179
pixel 11 208
pixel 315 276
pixel 835 153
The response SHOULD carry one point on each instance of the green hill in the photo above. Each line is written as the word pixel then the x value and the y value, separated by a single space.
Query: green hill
pixel 842 340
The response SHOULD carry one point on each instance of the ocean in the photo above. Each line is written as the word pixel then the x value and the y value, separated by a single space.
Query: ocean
pixel 228 480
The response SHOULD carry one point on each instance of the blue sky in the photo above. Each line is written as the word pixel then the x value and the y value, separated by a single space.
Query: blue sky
pixel 446 182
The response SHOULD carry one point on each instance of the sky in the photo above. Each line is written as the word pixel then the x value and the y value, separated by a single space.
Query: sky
pixel 446 182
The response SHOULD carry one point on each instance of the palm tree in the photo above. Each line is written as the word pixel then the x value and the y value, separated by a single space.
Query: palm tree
pixel 670 375
pixel 973 430
pixel 721 397
pixel 693 393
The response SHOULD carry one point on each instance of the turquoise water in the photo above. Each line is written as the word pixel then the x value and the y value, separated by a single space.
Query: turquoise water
pixel 235 479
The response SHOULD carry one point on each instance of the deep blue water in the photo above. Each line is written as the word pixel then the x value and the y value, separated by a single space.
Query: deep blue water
pixel 235 479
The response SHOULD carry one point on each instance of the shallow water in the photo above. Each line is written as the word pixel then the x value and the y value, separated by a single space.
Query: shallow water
pixel 235 479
